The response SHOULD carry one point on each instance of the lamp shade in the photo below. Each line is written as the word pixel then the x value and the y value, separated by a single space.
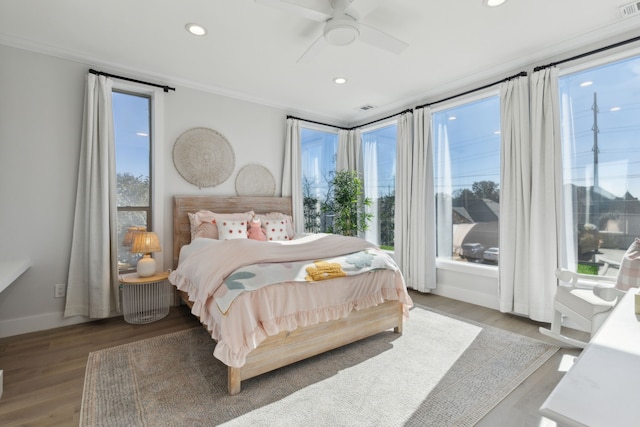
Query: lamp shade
pixel 146 242
pixel 130 235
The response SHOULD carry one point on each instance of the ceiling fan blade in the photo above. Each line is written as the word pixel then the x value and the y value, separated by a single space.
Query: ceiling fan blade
pixel 361 8
pixel 319 14
pixel 381 39
pixel 313 50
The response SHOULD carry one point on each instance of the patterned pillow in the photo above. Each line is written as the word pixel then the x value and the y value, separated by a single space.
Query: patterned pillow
pixel 231 229
pixel 277 217
pixel 629 274
pixel 276 229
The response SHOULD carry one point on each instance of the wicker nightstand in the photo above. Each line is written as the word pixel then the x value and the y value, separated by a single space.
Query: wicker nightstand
pixel 145 299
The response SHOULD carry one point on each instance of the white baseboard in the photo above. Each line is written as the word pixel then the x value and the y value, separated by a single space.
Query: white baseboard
pixel 41 322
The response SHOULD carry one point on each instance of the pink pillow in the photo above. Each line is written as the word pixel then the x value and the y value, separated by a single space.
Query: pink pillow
pixel 629 274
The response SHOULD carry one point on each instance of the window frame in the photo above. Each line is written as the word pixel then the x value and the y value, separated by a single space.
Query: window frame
pixel 446 263
pixel 156 153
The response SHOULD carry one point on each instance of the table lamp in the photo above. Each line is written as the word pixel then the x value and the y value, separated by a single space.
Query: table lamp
pixel 146 242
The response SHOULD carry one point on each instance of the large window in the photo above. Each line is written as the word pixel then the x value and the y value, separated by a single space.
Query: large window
pixel 319 149
pixel 379 156
pixel 600 107
pixel 467 180
pixel 132 127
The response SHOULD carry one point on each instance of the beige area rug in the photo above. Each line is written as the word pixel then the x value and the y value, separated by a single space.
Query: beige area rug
pixel 441 372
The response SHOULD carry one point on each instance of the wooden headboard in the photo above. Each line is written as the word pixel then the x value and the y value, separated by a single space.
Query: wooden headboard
pixel 182 205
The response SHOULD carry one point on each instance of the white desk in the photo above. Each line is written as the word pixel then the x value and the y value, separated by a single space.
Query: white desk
pixel 11 270
pixel 602 388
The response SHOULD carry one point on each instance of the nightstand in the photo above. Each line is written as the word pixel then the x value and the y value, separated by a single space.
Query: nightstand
pixel 145 299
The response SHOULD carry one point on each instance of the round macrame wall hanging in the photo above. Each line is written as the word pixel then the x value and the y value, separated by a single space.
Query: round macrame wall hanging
pixel 255 180
pixel 203 157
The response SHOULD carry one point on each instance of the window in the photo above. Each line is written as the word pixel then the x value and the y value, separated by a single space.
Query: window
pixel 379 155
pixel 467 180
pixel 601 161
pixel 319 150
pixel 132 128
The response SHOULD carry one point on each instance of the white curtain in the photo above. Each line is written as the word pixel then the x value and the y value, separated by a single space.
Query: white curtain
pixel 349 156
pixel 415 226
pixel 370 160
pixel 515 196
pixel 292 173
pixel 547 243
pixel 92 287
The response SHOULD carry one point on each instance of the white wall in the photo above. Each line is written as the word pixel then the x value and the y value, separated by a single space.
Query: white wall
pixel 41 100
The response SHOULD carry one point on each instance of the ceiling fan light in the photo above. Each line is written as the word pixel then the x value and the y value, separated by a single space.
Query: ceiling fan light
pixel 341 32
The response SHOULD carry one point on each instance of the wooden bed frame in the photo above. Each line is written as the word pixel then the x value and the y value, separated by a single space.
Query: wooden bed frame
pixel 286 347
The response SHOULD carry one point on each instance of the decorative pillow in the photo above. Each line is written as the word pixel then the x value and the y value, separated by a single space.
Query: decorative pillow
pixel 278 217
pixel 207 230
pixel 203 222
pixel 231 229
pixel 255 231
pixel 276 229
pixel 629 274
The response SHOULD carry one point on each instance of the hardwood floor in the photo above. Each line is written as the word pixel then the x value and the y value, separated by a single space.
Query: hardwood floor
pixel 44 371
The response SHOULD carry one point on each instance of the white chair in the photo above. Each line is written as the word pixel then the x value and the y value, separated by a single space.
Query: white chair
pixel 586 300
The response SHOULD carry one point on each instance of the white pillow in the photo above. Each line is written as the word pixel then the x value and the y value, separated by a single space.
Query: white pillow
pixel 276 229
pixel 275 218
pixel 231 229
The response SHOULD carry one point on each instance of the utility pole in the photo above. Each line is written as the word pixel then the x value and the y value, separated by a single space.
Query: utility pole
pixel 595 148
pixel 595 199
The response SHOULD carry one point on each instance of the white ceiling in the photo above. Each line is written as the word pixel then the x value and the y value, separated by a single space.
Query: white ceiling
pixel 250 51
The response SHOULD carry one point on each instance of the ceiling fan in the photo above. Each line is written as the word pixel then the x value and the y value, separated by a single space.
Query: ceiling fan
pixel 342 24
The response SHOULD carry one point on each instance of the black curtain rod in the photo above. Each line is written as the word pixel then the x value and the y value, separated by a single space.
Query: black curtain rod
pixel 409 110
pixel 102 73
pixel 351 128
pixel 317 123
pixel 520 74
pixel 582 55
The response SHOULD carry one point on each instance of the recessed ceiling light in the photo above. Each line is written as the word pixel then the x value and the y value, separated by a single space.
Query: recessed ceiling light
pixel 585 84
pixel 142 134
pixel 339 80
pixel 196 29
pixel 493 3
pixel 452 118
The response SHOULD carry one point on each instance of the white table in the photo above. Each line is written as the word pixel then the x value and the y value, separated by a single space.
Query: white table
pixel 11 270
pixel 602 388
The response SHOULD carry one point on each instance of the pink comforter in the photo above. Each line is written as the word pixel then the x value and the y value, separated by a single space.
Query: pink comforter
pixel 274 308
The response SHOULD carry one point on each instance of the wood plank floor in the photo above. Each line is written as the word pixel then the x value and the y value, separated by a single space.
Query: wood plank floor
pixel 44 371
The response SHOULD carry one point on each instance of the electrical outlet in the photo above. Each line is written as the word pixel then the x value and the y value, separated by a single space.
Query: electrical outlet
pixel 59 290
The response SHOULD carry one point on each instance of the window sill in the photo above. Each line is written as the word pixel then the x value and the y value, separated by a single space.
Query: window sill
pixel 467 268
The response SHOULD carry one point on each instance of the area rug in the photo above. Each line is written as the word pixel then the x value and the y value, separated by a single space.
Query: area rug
pixel 442 371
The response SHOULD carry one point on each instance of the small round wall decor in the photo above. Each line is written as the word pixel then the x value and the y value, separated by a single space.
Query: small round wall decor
pixel 255 180
pixel 203 157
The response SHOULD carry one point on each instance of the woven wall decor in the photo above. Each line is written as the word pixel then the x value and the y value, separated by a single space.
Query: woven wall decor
pixel 255 180
pixel 203 157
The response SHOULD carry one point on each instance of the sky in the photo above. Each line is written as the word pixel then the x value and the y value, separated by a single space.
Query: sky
pixel 131 127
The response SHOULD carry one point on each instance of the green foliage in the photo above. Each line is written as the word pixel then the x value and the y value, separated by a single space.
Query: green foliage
pixel 587 269
pixel 347 203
